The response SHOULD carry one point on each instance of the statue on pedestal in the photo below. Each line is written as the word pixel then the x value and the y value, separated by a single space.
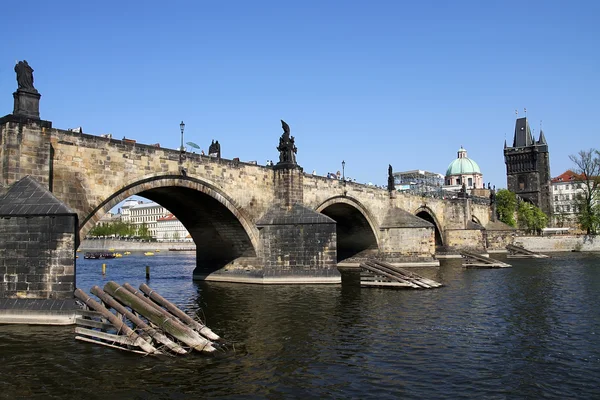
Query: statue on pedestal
pixel 287 148
pixel 390 185
pixel 24 76
pixel 27 98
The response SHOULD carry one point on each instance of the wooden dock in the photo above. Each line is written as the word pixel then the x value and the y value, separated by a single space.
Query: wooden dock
pixel 139 324
pixel 382 274
pixel 515 251
pixel 473 260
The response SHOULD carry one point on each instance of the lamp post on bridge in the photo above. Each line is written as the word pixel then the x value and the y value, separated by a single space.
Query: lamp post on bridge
pixel 182 127
pixel 344 175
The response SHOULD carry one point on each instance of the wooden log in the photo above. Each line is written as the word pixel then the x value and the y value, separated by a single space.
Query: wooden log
pixel 410 274
pixel 89 313
pixel 369 267
pixel 151 332
pixel 111 337
pixel 93 324
pixel 172 308
pixel 86 339
pixel 169 324
pixel 116 322
pixel 399 275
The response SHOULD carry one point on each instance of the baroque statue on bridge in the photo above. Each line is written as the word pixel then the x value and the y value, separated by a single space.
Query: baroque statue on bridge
pixel 287 148
pixel 390 186
pixel 24 76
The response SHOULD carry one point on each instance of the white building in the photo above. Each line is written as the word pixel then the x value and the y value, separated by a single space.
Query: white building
pixel 169 228
pixel 565 190
pixel 148 214
pixel 126 209
pixel 418 180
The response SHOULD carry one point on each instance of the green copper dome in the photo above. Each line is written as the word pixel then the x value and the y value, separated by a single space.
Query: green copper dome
pixel 462 165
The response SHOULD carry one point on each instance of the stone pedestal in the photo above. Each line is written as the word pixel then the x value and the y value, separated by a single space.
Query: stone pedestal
pixel 27 104
pixel 289 185
pixel 298 245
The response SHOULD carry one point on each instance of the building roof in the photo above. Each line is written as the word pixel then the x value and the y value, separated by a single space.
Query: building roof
pixel 168 217
pixel 462 165
pixel 146 205
pixel 568 176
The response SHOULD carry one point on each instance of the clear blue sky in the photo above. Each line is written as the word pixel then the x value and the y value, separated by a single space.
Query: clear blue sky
pixel 369 82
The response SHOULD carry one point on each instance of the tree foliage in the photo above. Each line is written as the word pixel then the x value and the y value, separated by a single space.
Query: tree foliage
pixel 122 229
pixel 531 218
pixel 587 163
pixel 506 204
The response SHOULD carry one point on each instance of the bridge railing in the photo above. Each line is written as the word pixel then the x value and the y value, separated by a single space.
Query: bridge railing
pixel 439 193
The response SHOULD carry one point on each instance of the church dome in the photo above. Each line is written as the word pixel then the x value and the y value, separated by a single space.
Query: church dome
pixel 463 165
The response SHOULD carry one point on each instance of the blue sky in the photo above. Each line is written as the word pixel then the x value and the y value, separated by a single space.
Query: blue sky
pixel 369 82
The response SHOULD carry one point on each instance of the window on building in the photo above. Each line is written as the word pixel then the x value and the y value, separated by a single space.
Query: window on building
pixel 556 198
pixel 470 182
pixel 458 181
pixel 568 208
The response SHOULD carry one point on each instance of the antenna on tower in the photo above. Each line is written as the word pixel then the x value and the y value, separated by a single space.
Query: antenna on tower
pixel 540 125
pixel 525 111
pixel 517 113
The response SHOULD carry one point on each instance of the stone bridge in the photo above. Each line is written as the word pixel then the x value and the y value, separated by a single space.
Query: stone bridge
pixel 250 223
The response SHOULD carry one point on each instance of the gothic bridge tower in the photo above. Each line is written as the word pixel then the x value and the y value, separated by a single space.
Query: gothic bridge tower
pixel 528 166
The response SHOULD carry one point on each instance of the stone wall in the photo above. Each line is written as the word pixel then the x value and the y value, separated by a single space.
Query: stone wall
pixel 559 243
pixel 415 244
pixel 465 239
pixel 37 259
pixel 498 240
pixel 25 150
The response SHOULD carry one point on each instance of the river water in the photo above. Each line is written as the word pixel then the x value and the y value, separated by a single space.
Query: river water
pixel 527 332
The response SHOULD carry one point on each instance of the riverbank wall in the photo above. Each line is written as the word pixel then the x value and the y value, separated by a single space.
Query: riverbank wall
pixel 559 243
pixel 131 245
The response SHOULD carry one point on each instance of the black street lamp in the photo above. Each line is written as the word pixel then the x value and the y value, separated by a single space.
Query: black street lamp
pixel 344 175
pixel 182 127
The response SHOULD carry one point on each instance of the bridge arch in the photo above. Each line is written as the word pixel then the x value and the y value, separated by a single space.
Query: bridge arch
pixel 356 228
pixel 208 213
pixel 428 215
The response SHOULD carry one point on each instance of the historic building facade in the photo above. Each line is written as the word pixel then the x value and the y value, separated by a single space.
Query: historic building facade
pixel 170 229
pixel 528 167
pixel 567 190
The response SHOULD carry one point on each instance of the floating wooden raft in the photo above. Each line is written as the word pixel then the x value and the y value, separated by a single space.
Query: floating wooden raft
pixel 473 260
pixel 521 252
pixel 382 274
pixel 140 324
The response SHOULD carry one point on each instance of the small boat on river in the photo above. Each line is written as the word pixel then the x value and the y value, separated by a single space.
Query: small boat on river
pixel 148 253
pixel 98 255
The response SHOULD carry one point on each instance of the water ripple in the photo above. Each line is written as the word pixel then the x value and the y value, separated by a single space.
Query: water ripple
pixel 526 332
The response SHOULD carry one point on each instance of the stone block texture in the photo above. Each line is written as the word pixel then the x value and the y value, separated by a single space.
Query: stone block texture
pixel 297 242
pixel 38 257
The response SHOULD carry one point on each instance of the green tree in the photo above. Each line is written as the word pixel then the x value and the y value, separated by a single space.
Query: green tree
pixel 143 231
pixel 587 164
pixel 506 204
pixel 531 218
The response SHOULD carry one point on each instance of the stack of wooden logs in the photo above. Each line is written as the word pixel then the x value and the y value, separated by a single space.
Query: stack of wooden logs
pixel 143 322
pixel 383 274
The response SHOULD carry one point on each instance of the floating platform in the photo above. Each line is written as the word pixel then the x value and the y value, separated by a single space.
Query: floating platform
pixel 515 251
pixel 474 260
pixel 382 274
